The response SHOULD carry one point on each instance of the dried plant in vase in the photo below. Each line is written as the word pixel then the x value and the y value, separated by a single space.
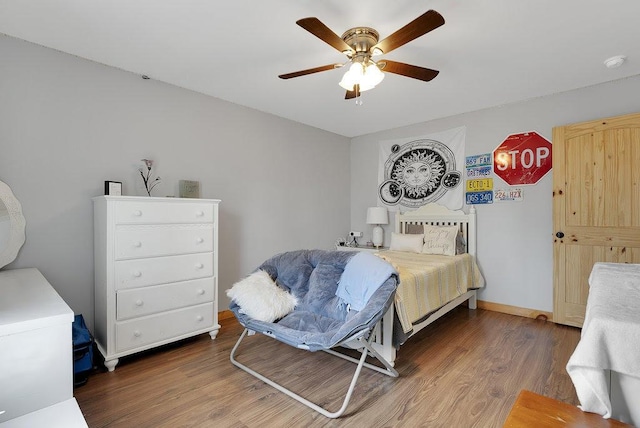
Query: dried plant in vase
pixel 149 184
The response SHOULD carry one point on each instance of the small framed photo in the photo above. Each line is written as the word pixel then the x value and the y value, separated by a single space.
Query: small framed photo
pixel 189 189
pixel 113 188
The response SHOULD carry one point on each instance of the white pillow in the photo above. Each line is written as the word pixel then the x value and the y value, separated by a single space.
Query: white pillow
pixel 260 297
pixel 406 242
pixel 440 240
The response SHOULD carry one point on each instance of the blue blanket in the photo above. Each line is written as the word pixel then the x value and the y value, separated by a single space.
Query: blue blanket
pixel 362 276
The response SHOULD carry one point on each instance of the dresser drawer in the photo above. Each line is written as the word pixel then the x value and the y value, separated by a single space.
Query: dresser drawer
pixel 140 212
pixel 160 298
pixel 138 241
pixel 162 270
pixel 157 328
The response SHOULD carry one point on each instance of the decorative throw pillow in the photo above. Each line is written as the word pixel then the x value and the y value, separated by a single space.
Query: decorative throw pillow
pixel 260 297
pixel 406 242
pixel 461 243
pixel 440 240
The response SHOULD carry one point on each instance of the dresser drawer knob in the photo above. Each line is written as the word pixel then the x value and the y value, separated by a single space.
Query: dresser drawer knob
pixel 139 302
pixel 199 317
pixel 199 240
pixel 137 333
pixel 199 213
pixel 137 274
pixel 137 213
pixel 137 244
pixel 199 265
pixel 200 291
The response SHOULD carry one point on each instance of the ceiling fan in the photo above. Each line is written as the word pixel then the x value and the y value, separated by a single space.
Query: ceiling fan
pixel 361 44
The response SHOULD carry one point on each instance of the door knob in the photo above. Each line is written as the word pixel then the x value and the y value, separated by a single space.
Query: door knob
pixel 560 235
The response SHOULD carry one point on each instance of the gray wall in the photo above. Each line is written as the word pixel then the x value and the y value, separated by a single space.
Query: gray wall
pixel 514 239
pixel 68 124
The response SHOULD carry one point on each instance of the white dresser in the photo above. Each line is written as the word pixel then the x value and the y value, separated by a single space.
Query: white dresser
pixel 36 353
pixel 156 270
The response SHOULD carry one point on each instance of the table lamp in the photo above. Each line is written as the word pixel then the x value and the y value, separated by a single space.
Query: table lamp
pixel 377 216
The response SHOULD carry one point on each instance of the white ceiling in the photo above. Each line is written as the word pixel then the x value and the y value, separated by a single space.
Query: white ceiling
pixel 489 52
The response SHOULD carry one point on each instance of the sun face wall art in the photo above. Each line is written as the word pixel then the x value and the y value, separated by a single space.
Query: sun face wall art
pixel 421 170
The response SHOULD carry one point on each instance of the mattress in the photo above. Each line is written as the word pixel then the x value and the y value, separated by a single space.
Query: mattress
pixel 427 282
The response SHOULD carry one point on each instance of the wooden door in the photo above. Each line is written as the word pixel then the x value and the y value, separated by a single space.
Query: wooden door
pixel 596 206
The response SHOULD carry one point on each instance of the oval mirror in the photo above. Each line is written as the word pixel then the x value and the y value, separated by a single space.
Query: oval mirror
pixel 12 225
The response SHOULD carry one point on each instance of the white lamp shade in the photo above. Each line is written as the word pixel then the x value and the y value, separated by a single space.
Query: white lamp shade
pixel 377 215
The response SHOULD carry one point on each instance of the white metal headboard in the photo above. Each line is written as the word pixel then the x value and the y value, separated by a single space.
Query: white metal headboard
pixel 437 215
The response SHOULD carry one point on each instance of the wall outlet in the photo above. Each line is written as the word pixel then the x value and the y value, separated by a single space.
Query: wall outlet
pixel 355 234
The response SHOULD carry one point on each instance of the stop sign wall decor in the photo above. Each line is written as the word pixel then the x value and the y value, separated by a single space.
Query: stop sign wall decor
pixel 522 158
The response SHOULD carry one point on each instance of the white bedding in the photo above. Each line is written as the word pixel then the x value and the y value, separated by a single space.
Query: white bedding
pixel 610 335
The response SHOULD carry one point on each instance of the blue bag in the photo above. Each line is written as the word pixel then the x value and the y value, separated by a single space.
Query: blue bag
pixel 82 351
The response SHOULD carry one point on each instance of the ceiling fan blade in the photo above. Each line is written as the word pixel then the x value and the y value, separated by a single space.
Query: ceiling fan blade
pixel 353 94
pixel 324 33
pixel 408 70
pixel 420 26
pixel 309 71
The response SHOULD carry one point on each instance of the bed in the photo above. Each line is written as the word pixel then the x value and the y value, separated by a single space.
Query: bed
pixel 605 366
pixel 415 307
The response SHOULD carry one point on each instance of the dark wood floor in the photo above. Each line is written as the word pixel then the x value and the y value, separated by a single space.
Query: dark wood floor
pixel 465 370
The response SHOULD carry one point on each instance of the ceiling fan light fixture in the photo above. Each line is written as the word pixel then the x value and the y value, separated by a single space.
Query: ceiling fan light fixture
pixel 376 51
pixel 346 83
pixel 352 77
pixel 364 86
pixel 367 77
pixel 357 70
pixel 373 75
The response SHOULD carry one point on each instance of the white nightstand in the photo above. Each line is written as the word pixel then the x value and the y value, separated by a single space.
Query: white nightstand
pixel 361 248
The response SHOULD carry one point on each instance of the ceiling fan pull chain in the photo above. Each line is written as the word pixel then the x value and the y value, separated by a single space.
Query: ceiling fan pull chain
pixel 359 97
pixel 358 94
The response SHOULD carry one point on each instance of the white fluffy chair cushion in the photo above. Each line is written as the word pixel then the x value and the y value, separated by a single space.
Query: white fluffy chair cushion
pixel 440 240
pixel 260 297
pixel 406 242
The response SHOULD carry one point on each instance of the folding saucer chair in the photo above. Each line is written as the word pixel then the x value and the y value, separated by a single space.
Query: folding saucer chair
pixel 327 314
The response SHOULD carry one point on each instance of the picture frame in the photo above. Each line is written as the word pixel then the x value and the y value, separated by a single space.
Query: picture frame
pixel 113 188
pixel 189 189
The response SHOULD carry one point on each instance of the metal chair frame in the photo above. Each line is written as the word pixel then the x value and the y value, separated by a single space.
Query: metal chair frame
pixel 360 341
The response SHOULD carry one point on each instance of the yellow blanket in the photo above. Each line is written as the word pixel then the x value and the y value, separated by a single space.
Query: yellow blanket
pixel 428 282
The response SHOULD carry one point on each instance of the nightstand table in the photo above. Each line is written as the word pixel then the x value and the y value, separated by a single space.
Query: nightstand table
pixel 361 248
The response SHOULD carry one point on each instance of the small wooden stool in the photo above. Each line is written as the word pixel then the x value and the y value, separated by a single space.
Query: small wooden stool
pixel 533 410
